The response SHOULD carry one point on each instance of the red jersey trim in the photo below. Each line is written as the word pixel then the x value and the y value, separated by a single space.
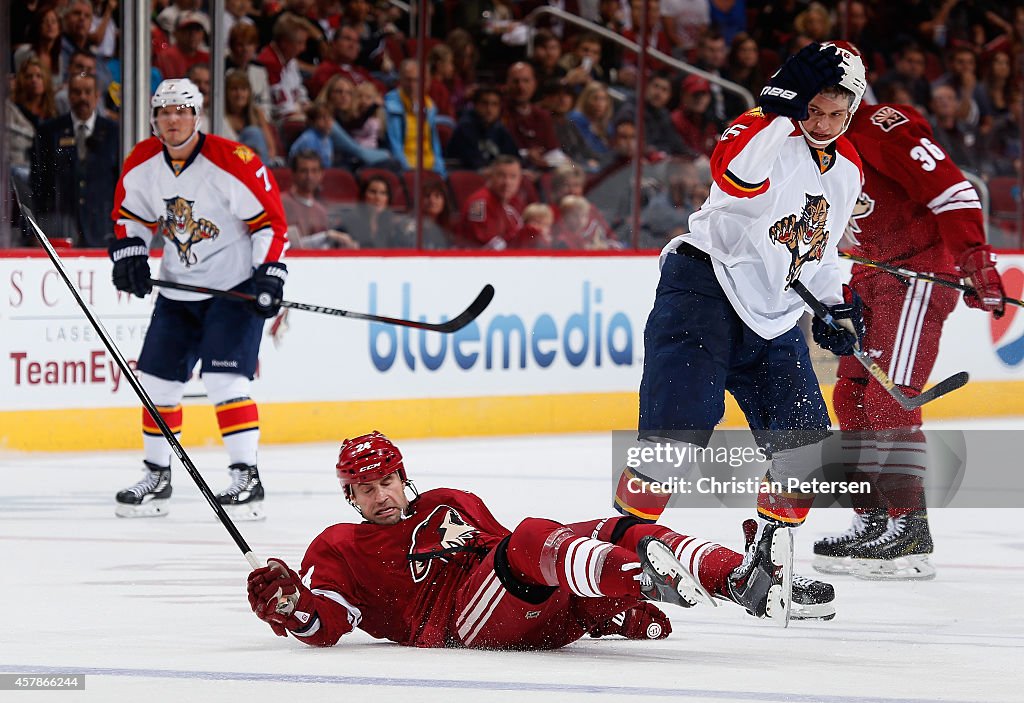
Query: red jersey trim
pixel 143 152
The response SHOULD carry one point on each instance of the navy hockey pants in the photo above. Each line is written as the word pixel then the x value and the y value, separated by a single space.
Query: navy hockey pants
pixel 696 348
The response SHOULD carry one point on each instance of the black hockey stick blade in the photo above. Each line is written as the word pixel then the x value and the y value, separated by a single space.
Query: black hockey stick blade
pixel 906 402
pixel 483 299
pixel 147 402
pixel 957 380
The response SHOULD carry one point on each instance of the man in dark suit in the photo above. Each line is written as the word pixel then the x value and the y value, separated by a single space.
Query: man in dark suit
pixel 75 167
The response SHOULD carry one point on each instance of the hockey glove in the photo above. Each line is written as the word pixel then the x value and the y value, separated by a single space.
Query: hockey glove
pixel 644 621
pixel 978 266
pixel 849 316
pixel 268 287
pixel 131 266
pixel 800 78
pixel 280 599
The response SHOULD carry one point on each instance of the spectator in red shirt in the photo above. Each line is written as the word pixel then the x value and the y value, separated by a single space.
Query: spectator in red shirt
pixel 491 217
pixel 342 53
pixel 690 118
pixel 174 61
pixel 530 125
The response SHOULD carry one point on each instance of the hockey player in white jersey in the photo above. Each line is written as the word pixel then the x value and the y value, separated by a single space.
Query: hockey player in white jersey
pixel 218 211
pixel 724 317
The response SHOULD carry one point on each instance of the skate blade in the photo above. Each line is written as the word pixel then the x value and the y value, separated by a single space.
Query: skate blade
pixel 910 568
pixel 780 596
pixel 815 611
pixel 687 585
pixel 833 565
pixel 246 512
pixel 153 508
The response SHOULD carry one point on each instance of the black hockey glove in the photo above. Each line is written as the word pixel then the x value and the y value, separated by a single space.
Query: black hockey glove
pixel 268 287
pixel 131 266
pixel 849 317
pixel 800 78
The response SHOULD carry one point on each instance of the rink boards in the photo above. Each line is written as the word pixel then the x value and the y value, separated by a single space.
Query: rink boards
pixel 560 349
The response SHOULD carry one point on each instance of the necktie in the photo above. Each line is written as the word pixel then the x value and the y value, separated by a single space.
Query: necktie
pixel 81 135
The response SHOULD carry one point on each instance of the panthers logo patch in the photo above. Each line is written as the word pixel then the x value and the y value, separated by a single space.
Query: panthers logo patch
pixel 179 226
pixel 804 236
pixel 244 153
pixel 888 118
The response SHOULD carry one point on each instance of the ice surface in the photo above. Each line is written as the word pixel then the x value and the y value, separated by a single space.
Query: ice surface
pixel 155 610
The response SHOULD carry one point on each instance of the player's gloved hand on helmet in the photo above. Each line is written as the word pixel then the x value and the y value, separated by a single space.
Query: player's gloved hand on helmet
pixel 131 266
pixel 978 266
pixel 644 621
pixel 800 78
pixel 268 287
pixel 849 317
pixel 279 598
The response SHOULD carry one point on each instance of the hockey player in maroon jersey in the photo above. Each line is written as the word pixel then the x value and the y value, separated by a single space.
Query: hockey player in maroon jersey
pixel 218 211
pixel 437 570
pixel 916 211
pixel 725 318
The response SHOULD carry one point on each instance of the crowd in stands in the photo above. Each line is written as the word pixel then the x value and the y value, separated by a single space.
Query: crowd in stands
pixel 529 130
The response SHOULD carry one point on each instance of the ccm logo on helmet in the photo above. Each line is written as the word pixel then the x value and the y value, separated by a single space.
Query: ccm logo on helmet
pixel 369 467
pixel 779 92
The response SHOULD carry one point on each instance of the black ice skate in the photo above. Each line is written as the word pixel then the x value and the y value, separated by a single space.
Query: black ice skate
pixel 666 580
pixel 901 553
pixel 148 497
pixel 243 499
pixel 812 600
pixel 763 582
pixel 835 554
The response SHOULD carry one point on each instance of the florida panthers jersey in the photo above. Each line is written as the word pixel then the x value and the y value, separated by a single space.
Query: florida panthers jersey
pixel 917 210
pixel 219 214
pixel 398 582
pixel 776 212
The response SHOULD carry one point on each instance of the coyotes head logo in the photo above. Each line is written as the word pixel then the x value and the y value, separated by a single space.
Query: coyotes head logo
pixel 181 229
pixel 443 534
pixel 805 236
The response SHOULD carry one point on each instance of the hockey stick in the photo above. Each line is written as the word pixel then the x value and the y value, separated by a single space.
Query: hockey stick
pixel 483 299
pixel 907 273
pixel 147 402
pixel 906 402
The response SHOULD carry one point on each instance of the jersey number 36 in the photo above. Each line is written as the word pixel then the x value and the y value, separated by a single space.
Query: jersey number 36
pixel 928 154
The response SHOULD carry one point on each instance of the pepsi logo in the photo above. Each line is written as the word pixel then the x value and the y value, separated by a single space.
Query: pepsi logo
pixel 1008 331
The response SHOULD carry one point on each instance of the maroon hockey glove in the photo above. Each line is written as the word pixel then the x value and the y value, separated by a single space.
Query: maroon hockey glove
pixel 978 266
pixel 279 598
pixel 644 621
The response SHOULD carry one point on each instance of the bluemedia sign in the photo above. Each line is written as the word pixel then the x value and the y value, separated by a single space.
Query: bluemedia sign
pixel 586 337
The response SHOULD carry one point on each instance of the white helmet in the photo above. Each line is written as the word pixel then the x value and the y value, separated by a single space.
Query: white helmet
pixel 855 77
pixel 176 91
pixel 854 80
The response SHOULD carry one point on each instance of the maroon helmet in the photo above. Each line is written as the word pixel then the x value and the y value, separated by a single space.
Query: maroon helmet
pixel 368 458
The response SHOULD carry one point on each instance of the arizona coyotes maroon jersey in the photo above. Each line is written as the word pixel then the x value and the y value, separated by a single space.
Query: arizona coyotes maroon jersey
pixel 398 582
pixel 220 215
pixel 917 209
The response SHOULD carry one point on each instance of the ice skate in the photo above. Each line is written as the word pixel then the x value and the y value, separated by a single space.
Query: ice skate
pixel 835 554
pixel 900 554
pixel 149 497
pixel 664 579
pixel 243 499
pixel 812 600
pixel 763 582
